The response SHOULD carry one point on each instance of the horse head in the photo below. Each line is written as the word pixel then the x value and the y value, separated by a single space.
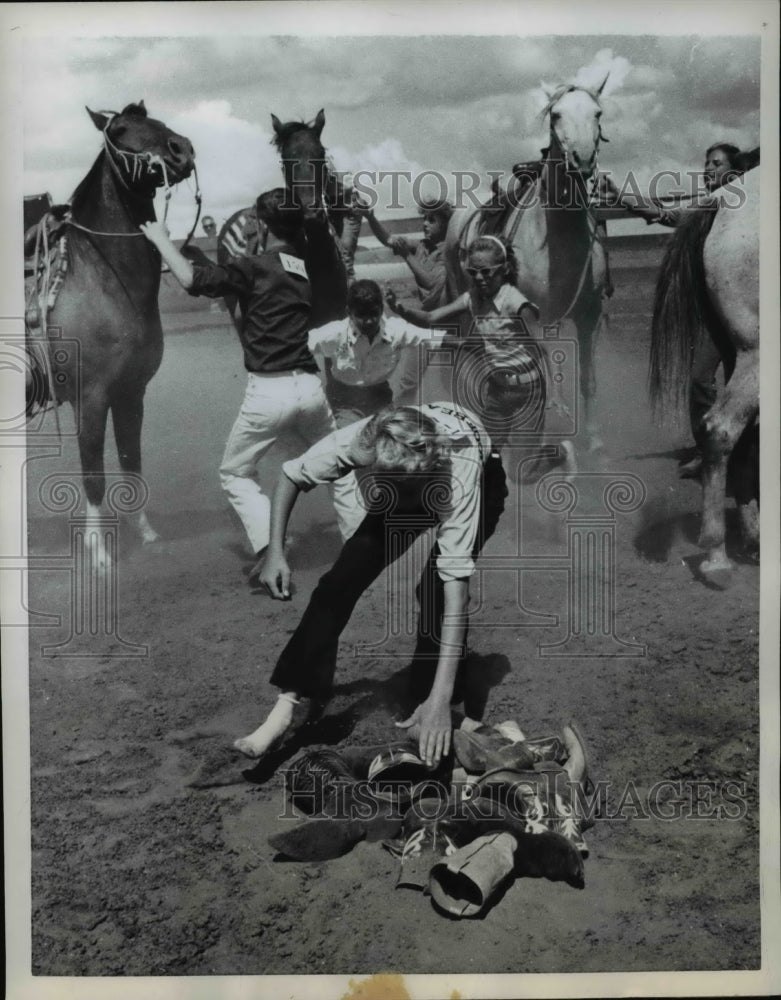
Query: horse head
pixel 575 131
pixel 303 160
pixel 146 153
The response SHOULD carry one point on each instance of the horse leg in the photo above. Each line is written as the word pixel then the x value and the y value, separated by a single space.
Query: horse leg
pixel 92 438
pixel 743 479
pixel 723 425
pixel 127 412
pixel 587 329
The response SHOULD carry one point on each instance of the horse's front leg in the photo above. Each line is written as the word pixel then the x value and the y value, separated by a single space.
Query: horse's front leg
pixel 127 412
pixel 91 418
pixel 587 329
pixel 734 410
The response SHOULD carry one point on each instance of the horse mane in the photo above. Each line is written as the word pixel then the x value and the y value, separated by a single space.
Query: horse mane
pixel 682 310
pixel 560 91
pixel 86 185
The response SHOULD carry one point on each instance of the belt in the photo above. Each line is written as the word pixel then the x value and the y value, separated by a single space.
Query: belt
pixel 287 374
pixel 509 379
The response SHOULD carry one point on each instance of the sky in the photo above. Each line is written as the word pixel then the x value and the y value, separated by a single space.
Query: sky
pixel 426 101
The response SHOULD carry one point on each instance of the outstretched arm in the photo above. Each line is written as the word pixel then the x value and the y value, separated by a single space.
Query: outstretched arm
pixel 181 267
pixel 377 228
pixel 419 317
pixel 427 276
pixel 433 715
pixel 646 208
pixel 275 574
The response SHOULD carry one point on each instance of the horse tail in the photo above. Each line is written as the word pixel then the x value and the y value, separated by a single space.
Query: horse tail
pixel 681 310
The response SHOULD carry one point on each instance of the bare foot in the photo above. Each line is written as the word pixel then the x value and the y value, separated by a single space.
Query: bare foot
pixel 270 732
pixel 569 462
pixel 145 529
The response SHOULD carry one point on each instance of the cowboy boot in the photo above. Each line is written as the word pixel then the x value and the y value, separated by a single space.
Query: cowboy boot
pixel 465 884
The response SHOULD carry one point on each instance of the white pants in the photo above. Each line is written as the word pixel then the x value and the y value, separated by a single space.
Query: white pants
pixel 274 406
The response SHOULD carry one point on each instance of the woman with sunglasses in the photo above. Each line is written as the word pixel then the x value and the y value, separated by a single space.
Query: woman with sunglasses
pixel 501 370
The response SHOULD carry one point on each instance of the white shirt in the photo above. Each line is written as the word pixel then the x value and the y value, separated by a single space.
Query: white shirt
pixel 355 360
pixel 456 532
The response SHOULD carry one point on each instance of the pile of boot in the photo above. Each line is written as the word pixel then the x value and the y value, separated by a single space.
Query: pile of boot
pixel 502 806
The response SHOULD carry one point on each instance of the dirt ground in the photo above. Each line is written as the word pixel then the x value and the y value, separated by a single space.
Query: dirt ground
pixel 149 844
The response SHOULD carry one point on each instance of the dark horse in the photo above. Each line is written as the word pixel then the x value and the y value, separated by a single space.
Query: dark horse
pixel 108 299
pixel 317 193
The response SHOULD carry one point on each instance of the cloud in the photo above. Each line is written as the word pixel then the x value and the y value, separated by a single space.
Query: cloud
pixel 448 103
pixel 604 68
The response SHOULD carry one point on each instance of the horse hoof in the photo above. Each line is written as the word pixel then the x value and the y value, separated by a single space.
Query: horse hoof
pixel 691 470
pixel 147 537
pixel 594 444
pixel 716 574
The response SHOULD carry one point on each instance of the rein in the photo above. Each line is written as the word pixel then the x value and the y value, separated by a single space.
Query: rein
pixel 591 217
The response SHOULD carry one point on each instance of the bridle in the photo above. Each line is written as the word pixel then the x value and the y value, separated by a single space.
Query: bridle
pixel 131 168
pixel 590 208
pixel 594 175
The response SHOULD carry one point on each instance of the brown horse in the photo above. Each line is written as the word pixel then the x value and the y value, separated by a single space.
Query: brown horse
pixel 552 227
pixel 709 286
pixel 108 300
pixel 324 204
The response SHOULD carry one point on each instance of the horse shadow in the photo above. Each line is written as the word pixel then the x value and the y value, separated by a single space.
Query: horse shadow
pixel 660 531
pixel 679 455
pixel 399 694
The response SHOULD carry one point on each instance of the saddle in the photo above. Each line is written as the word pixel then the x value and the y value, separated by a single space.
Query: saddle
pixel 493 217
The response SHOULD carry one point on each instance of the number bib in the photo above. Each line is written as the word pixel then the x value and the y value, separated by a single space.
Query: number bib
pixel 294 265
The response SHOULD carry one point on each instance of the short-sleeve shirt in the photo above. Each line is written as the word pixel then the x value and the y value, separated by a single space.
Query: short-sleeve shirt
pixel 358 361
pixel 458 517
pixel 499 327
pixel 275 295
pixel 431 260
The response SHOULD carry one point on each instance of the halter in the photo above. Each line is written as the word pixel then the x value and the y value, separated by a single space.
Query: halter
pixel 590 202
pixel 594 175
pixel 138 167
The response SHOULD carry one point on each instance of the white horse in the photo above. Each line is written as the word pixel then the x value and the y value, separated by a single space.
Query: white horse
pixel 710 279
pixel 552 227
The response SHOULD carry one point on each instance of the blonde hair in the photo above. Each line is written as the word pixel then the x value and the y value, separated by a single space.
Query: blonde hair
pixel 402 439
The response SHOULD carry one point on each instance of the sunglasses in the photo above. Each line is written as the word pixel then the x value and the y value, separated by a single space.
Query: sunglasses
pixel 483 272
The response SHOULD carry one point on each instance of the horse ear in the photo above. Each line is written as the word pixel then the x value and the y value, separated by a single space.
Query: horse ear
pixel 277 124
pixel 601 87
pixel 100 121
pixel 138 110
pixel 319 121
pixel 547 90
